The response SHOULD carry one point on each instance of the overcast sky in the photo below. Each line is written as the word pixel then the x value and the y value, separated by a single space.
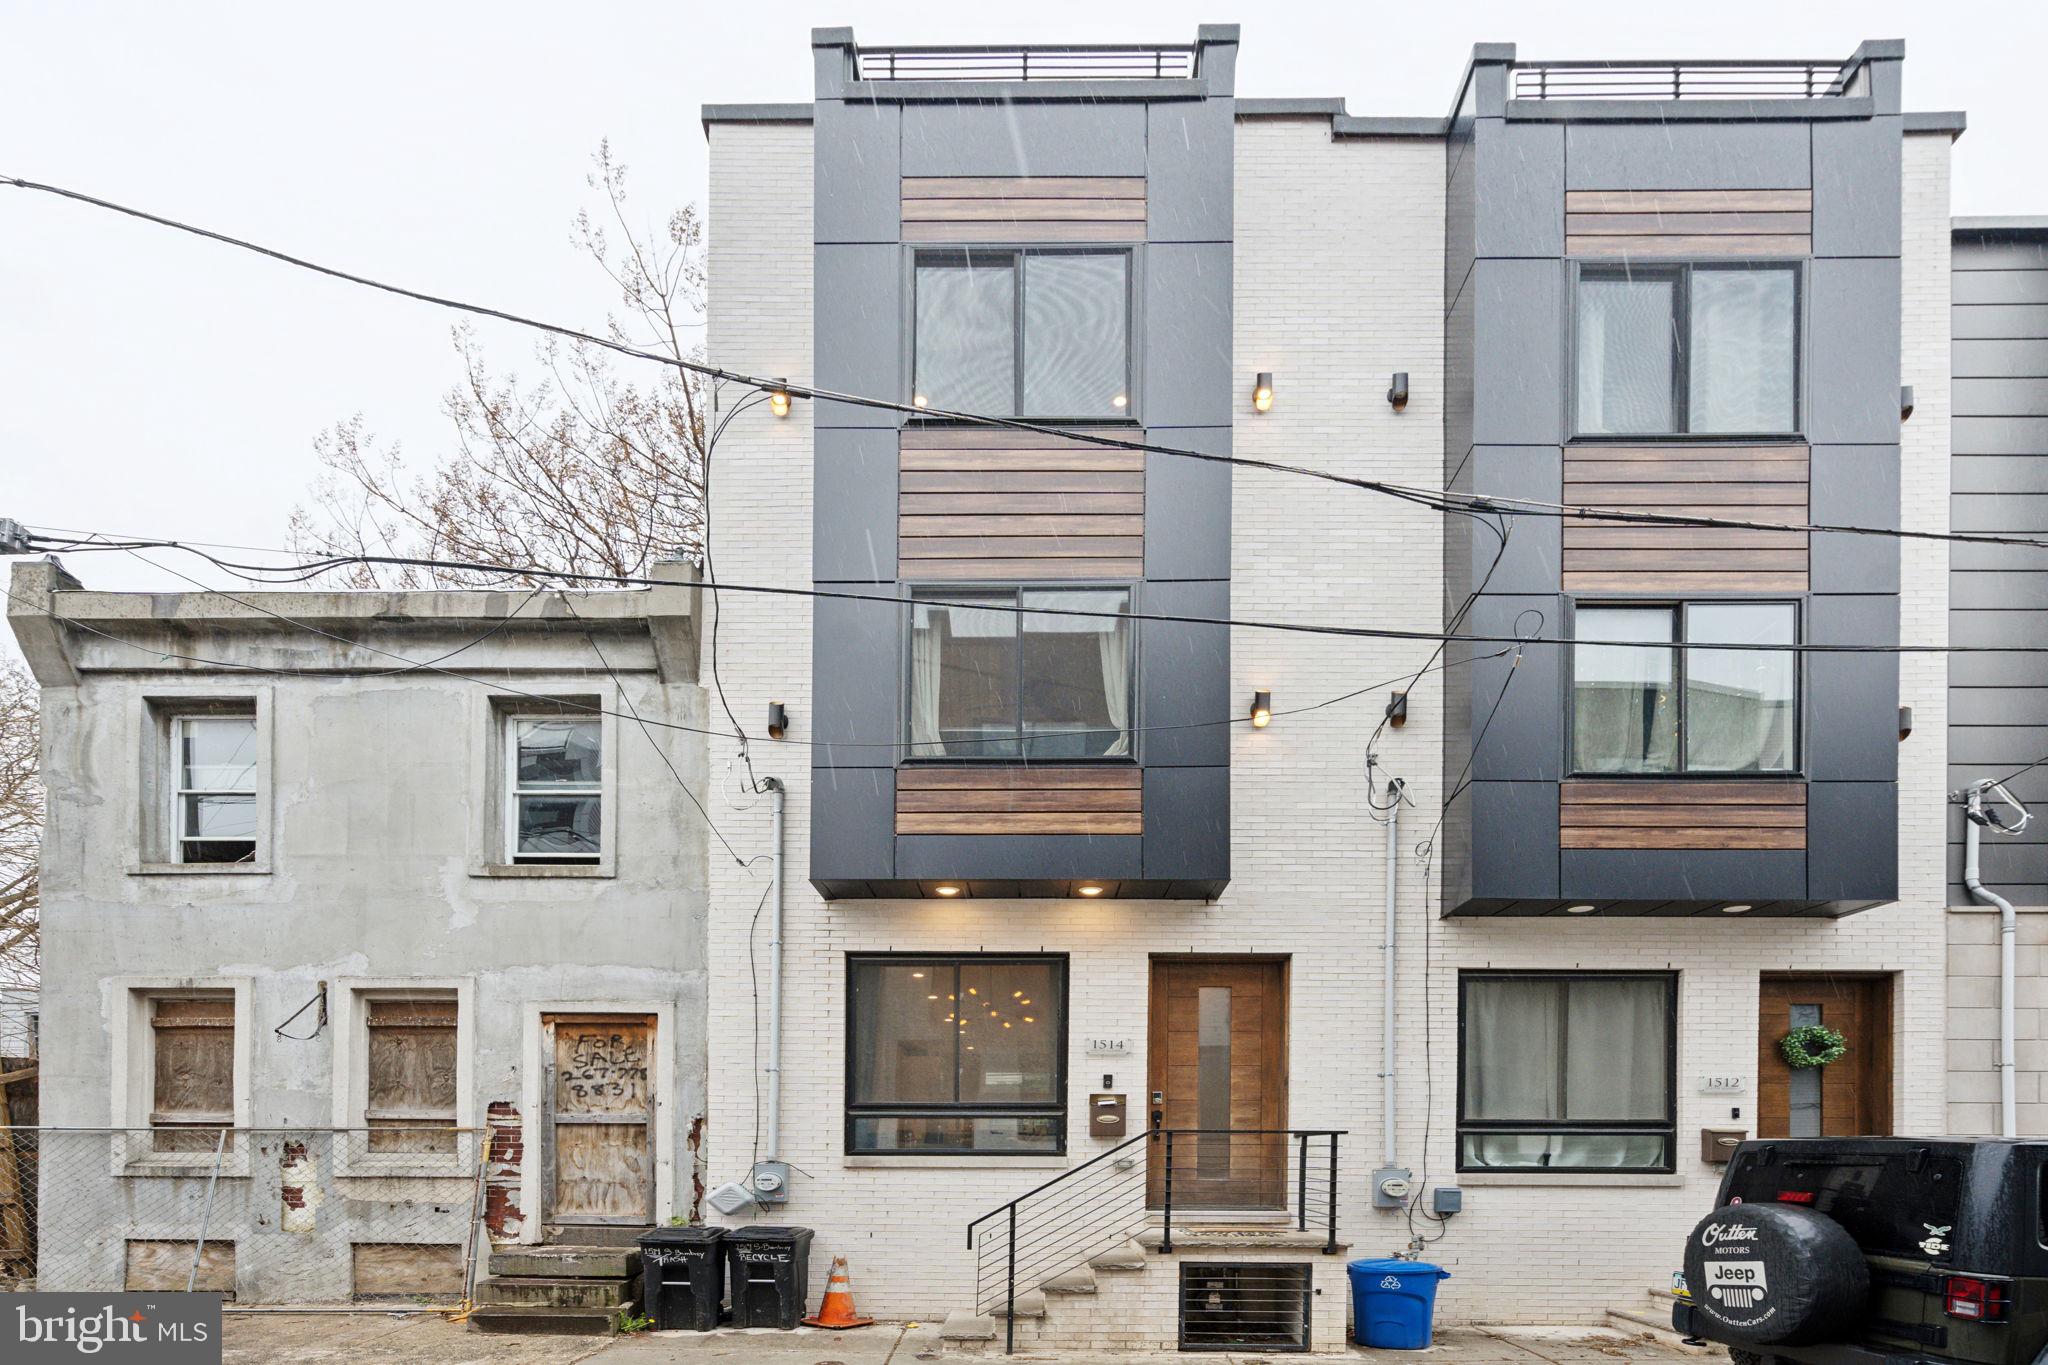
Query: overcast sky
pixel 158 384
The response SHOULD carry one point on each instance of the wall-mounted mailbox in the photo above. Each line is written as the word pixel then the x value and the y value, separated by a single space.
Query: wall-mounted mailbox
pixel 1106 1116
pixel 1717 1145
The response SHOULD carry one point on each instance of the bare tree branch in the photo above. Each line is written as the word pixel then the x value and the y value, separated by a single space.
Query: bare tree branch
pixel 21 827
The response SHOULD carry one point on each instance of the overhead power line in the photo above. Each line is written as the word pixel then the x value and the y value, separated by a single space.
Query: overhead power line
pixel 277 575
pixel 1443 500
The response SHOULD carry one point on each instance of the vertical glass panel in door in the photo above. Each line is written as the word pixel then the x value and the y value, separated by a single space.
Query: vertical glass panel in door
pixel 1624 711
pixel 1626 346
pixel 963 680
pixel 1804 1085
pixel 1743 366
pixel 1741 706
pixel 1212 1081
pixel 1077 675
pixel 1076 341
pixel 966 344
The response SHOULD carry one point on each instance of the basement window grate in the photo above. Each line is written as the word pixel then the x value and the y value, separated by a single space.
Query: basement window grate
pixel 1244 1307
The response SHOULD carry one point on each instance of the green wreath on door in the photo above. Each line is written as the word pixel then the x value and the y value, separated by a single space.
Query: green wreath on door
pixel 1812 1045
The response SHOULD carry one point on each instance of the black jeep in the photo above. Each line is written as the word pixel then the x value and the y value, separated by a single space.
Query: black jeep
pixel 1874 1251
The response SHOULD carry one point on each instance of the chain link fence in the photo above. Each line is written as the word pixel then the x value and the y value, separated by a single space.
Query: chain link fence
pixel 265 1216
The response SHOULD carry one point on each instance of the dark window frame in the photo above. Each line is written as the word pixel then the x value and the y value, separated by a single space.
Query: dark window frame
pixel 951 595
pixel 1680 270
pixel 1667 1127
pixel 1055 1108
pixel 1679 645
pixel 975 255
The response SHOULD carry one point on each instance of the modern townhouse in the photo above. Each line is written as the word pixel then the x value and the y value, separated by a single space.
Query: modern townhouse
pixel 339 947
pixel 1128 971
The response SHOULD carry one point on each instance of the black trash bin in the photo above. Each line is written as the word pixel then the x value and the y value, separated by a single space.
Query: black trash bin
pixel 682 1277
pixel 770 1271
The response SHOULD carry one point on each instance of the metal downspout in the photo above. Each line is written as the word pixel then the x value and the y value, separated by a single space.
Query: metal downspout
pixel 2008 954
pixel 779 796
pixel 1387 1040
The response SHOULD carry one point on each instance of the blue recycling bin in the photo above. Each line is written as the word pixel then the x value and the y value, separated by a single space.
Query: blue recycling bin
pixel 1393 1303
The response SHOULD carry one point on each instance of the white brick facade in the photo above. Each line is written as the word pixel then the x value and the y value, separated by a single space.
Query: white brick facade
pixel 1339 250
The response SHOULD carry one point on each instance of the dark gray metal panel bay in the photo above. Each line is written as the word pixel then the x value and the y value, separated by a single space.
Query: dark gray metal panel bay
pixel 1520 707
pixel 1852 841
pixel 1187 508
pixel 857 336
pixel 1850 728
pixel 1630 874
pixel 1186 380
pixel 1188 187
pixel 1853 486
pixel 1689 156
pixel 1514 852
pixel 853 513
pixel 1187 824
pixel 856 667
pixel 1852 352
pixel 1018 857
pixel 1519 188
pixel 1856 187
pixel 1518 369
pixel 857 184
pixel 1005 138
pixel 853 823
pixel 1184 676
pixel 1532 561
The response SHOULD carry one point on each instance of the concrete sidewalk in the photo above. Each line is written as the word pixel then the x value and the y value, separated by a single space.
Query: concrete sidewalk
pixel 427 1339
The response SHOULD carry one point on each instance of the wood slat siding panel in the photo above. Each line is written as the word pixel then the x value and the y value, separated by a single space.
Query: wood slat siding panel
pixel 985 505
pixel 1023 209
pixel 1749 483
pixel 1605 224
pixel 1010 799
pixel 1682 815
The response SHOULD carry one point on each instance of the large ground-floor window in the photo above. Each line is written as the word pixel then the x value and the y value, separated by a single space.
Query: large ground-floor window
pixel 1566 1070
pixel 961 1054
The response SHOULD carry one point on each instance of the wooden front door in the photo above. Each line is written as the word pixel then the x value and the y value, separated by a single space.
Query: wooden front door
pixel 1218 1052
pixel 600 1127
pixel 1848 1098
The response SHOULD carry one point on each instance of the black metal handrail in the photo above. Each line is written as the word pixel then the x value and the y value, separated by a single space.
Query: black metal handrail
pixel 1094 62
pixel 1061 1224
pixel 1677 80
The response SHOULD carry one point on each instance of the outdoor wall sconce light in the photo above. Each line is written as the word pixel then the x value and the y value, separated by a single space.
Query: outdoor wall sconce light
pixel 1262 710
pixel 1905 723
pixel 1397 392
pixel 1905 401
pixel 778 398
pixel 1397 710
pixel 1262 392
pixel 778 720
pixel 947 888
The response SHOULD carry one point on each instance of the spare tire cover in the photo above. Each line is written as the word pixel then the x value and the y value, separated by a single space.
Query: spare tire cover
pixel 1774 1274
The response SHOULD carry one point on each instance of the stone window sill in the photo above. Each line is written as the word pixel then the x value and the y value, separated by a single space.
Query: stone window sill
pixel 1565 1180
pixel 199 869
pixel 1022 1162
pixel 541 870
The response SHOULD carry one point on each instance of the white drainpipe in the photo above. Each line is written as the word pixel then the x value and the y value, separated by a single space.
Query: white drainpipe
pixel 1387 1096
pixel 777 796
pixel 2008 953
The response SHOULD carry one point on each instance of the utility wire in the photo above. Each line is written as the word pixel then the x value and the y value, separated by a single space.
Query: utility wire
pixel 1441 499
pixel 314 568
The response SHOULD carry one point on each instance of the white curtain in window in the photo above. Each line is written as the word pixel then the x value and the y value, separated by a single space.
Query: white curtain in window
pixel 1617 1051
pixel 1513 1035
pixel 1115 650
pixel 924 685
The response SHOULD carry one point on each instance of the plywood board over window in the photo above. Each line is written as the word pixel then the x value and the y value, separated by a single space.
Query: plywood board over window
pixel 166 1266
pixel 403 1269
pixel 1009 506
pixel 192 1094
pixel 412 1070
pixel 1024 208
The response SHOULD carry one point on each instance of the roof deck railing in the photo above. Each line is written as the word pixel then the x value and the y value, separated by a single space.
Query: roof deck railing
pixel 1107 62
pixel 1702 80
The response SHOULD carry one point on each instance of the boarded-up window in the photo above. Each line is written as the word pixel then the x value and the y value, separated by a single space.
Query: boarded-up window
pixel 404 1269
pixel 192 1095
pixel 166 1266
pixel 411 1098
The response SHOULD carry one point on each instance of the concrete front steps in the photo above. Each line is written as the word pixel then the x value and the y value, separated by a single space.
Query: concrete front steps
pixel 1653 1320
pixel 560 1290
pixel 1128 1297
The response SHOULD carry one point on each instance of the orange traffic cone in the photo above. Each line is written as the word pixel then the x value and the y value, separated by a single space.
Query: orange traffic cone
pixel 836 1311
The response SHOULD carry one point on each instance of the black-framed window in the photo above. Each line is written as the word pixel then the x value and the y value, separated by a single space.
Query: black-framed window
pixel 1567 1071
pixel 1023 333
pixel 1691 349
pixel 1640 705
pixel 989 682
pixel 956 1054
